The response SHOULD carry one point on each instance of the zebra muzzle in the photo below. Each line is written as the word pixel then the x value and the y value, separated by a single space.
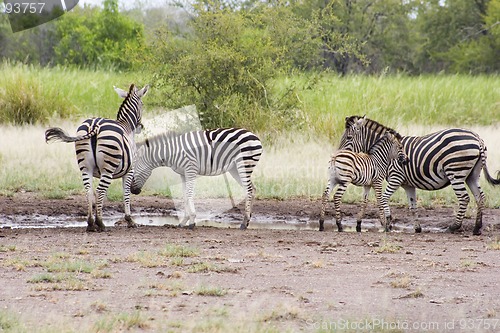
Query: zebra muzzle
pixel 135 190
pixel 403 160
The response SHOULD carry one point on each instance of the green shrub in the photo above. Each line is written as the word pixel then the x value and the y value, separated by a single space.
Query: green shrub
pixel 227 61
pixel 24 99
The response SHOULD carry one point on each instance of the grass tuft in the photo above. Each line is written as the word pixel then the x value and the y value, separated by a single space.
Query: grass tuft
pixel 210 291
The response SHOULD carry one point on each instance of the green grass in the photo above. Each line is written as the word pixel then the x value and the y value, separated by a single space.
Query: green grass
pixel 396 101
pixel 50 93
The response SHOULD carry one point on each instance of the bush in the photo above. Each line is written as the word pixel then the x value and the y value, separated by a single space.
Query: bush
pixel 25 100
pixel 226 63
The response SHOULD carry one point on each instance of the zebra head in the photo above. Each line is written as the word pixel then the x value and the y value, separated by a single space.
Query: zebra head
pixel 396 149
pixel 142 168
pixel 362 133
pixel 349 140
pixel 130 111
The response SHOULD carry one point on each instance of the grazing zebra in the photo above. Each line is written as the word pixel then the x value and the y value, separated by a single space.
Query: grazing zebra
pixel 367 170
pixel 206 153
pixel 106 149
pixel 452 156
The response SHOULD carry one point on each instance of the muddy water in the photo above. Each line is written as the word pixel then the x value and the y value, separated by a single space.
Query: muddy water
pixel 219 221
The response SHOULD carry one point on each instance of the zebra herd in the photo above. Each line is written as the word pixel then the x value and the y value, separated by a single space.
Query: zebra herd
pixel 369 152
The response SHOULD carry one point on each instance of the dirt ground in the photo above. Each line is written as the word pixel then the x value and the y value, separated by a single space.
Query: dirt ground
pixel 160 279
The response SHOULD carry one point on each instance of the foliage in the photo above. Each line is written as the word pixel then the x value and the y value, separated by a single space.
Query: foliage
pixel 24 99
pixel 91 36
pixel 225 63
pixel 88 37
pixel 31 94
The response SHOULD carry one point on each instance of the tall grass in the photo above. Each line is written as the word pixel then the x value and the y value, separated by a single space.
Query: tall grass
pixel 398 101
pixel 31 94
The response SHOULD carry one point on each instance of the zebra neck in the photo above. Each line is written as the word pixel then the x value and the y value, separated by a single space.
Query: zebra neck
pixel 127 114
pixel 381 158
pixel 160 153
pixel 127 126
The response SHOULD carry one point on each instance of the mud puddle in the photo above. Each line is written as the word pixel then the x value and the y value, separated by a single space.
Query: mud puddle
pixel 218 221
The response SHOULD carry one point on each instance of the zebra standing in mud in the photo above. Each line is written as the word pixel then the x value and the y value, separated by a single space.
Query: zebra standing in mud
pixel 106 149
pixel 367 170
pixel 206 153
pixel 452 156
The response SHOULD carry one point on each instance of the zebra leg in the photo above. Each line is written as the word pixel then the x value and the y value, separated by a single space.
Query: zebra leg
pixel 393 184
pixel 248 205
pixel 324 202
pixel 126 183
pixel 479 196
pixel 101 190
pixel 383 206
pixel 458 186
pixel 189 210
pixel 411 194
pixel 87 183
pixel 337 197
pixel 229 192
pixel 361 214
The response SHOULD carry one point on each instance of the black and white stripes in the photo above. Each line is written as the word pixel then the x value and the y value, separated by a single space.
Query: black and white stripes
pixel 362 169
pixel 206 153
pixel 452 156
pixel 106 149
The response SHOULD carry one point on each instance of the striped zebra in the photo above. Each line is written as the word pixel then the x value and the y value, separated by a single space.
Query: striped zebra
pixel 106 149
pixel 452 156
pixel 362 169
pixel 205 153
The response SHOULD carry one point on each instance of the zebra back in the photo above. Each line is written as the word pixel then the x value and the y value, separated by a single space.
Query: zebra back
pixel 205 153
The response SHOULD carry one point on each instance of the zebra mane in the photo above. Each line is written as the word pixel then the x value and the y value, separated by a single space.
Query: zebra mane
pixel 382 139
pixel 371 125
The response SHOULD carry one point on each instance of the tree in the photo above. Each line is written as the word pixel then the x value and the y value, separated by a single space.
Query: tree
pixel 91 36
pixel 226 60
pixel 445 28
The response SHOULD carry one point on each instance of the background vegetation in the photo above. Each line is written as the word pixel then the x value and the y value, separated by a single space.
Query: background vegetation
pixel 245 63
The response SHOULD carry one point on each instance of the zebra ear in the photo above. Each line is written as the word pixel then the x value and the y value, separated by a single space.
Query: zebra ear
pixel 143 91
pixel 361 121
pixel 122 93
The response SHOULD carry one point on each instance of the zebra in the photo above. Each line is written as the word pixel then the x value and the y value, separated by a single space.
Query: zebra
pixel 362 169
pixel 106 149
pixel 206 153
pixel 452 156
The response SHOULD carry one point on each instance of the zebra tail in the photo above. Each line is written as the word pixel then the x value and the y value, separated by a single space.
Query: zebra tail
pixel 489 178
pixel 57 134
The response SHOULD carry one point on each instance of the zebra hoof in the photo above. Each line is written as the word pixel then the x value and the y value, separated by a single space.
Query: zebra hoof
pixel 243 226
pixel 476 232
pixel 358 227
pixel 191 226
pixel 453 229
pixel 340 228
pixel 418 230
pixel 130 222
pixel 91 228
